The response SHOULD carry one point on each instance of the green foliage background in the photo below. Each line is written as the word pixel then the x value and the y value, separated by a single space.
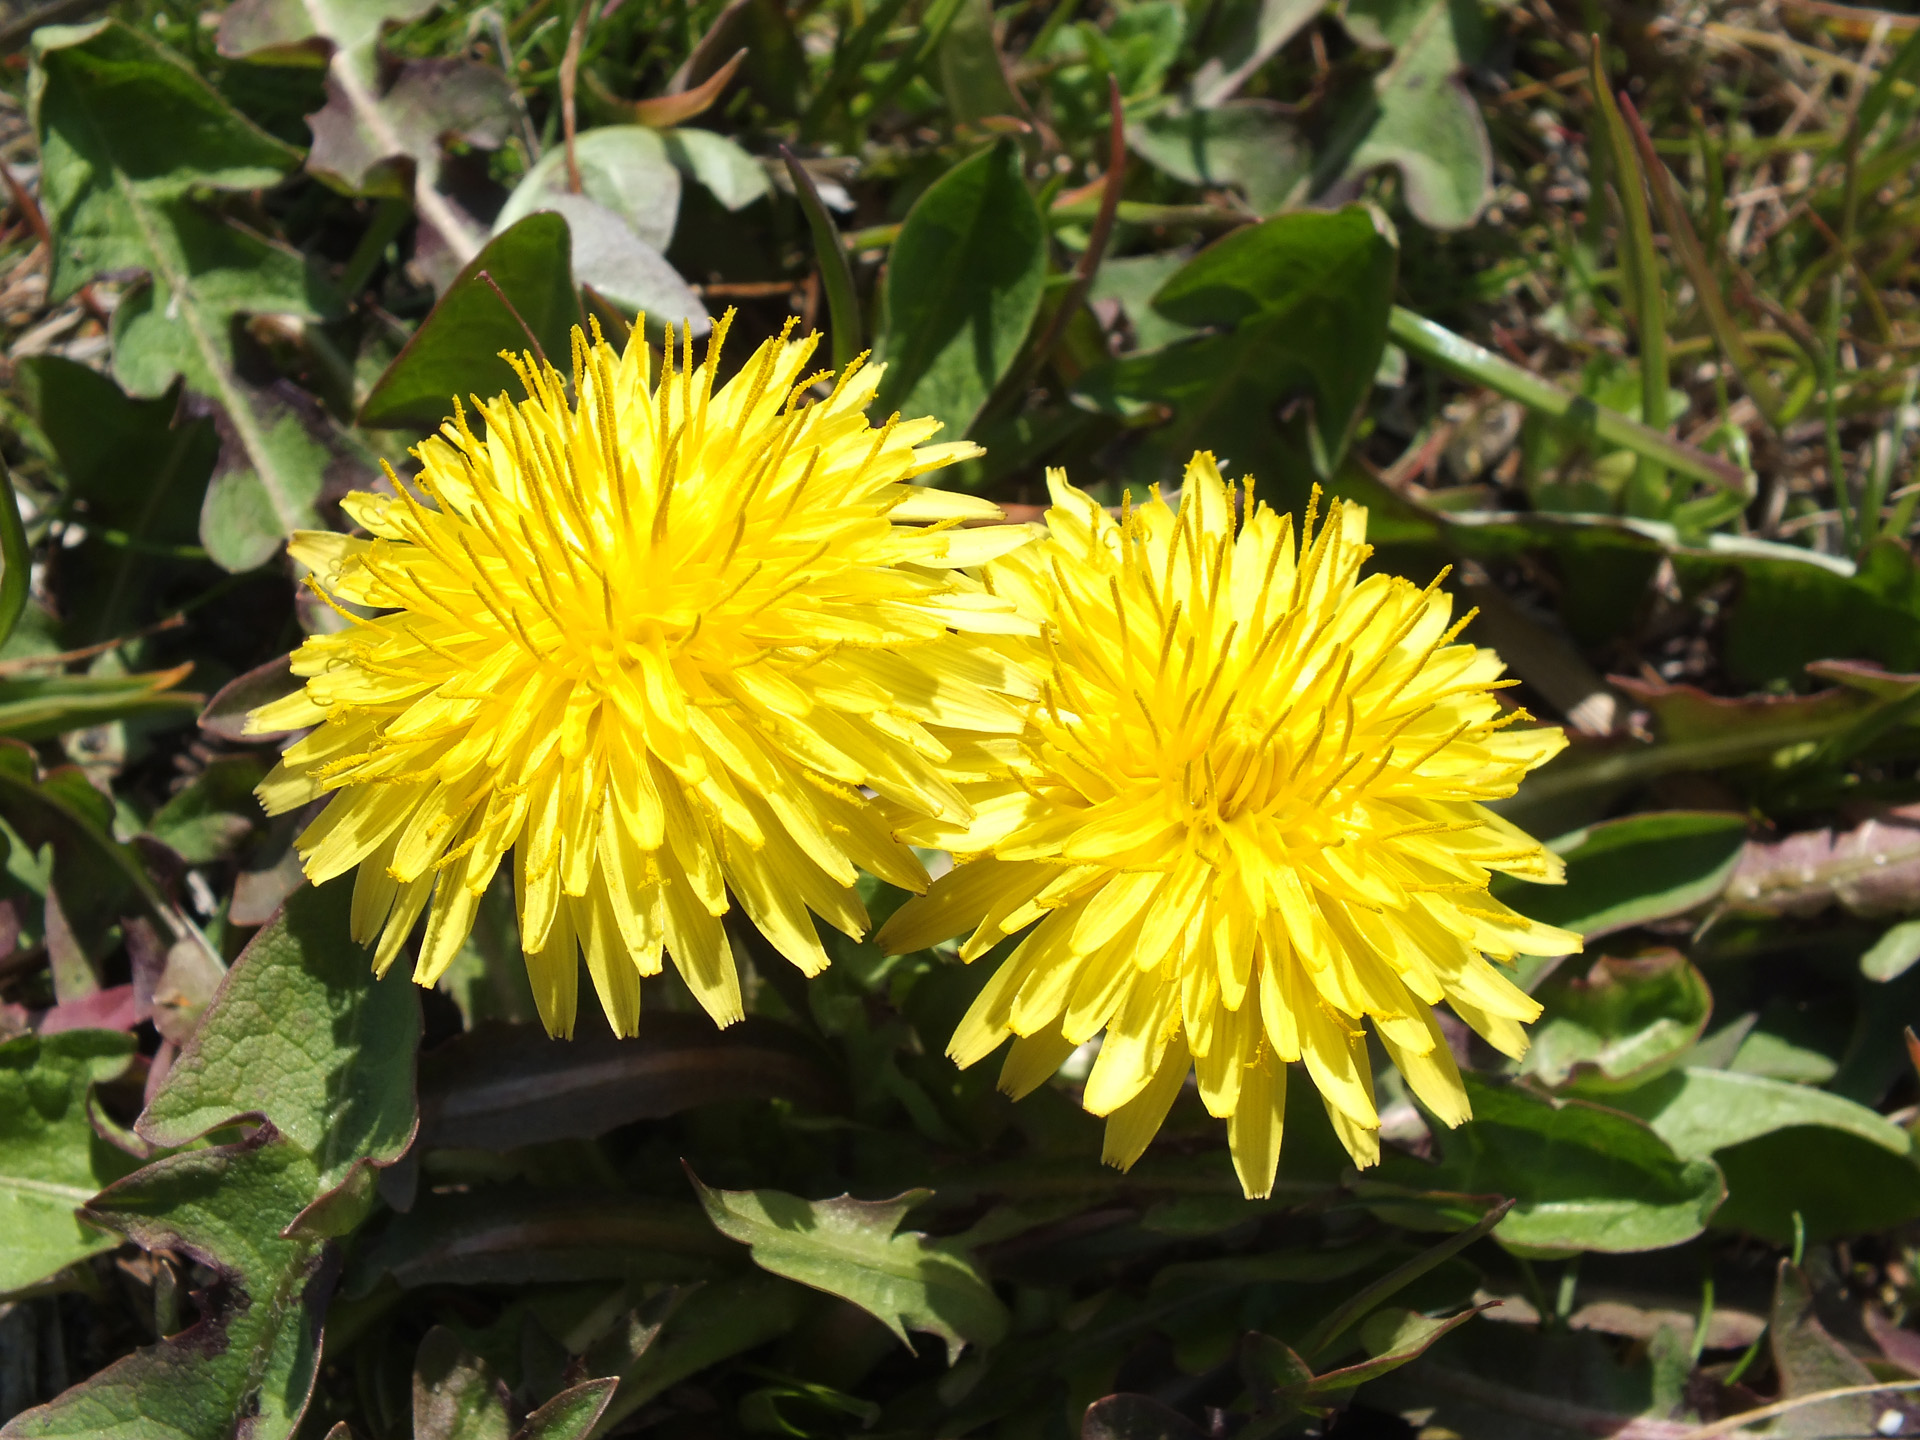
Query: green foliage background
pixel 1613 318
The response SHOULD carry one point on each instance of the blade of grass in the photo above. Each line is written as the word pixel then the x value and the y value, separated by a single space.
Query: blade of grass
pixel 1460 357
pixel 843 305
pixel 933 29
pixel 1316 1341
pixel 15 564
pixel 1693 259
pixel 849 57
pixel 1646 496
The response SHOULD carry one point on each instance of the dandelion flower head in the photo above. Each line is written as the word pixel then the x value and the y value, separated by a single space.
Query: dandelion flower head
pixel 1251 814
pixel 651 638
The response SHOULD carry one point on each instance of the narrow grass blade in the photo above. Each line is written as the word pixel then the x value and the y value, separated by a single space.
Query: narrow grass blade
pixel 1316 1340
pixel 1647 494
pixel 843 305
pixel 15 564
pixel 1693 258
pixel 1440 347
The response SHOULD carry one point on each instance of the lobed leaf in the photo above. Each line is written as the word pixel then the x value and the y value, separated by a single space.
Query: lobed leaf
pixel 849 1248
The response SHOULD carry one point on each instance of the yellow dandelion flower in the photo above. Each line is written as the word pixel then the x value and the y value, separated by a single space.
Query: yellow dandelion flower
pixel 652 640
pixel 1249 816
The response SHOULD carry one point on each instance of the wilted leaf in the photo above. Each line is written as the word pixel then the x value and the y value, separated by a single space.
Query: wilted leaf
pixel 1626 872
pixel 849 1248
pixel 292 32
pixel 51 1162
pixel 1620 1023
pixel 226 712
pixel 301 1034
pixel 398 143
pixel 1870 870
pixel 456 350
pixel 963 285
pixel 499 1086
pixel 126 130
pixel 369 141
pixel 250 1360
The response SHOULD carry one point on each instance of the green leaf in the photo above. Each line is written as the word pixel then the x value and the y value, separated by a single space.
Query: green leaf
pixel 16 560
pixel 973 79
pixel 1808 1359
pixel 1253 144
pixel 248 1366
pixel 456 1396
pixel 136 475
pixel 1816 1181
pixel 1698 1112
pixel 836 275
pixel 608 257
pixel 1392 1337
pixel 302 1035
pixel 1302 303
pixel 1582 1177
pixel 626 168
pixel 51 1162
pixel 126 130
pixel 730 174
pixel 501 1086
pixel 98 878
pixel 1893 954
pixel 206 820
pixel 1620 1023
pixel 1132 281
pixel 963 285
pixel 681 1332
pixel 848 1248
pixel 39 707
pixel 456 350
pixel 570 1415
pixel 509 1235
pixel 1786 1149
pixel 1418 116
pixel 1792 613
pixel 1626 872
pixel 1255 30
